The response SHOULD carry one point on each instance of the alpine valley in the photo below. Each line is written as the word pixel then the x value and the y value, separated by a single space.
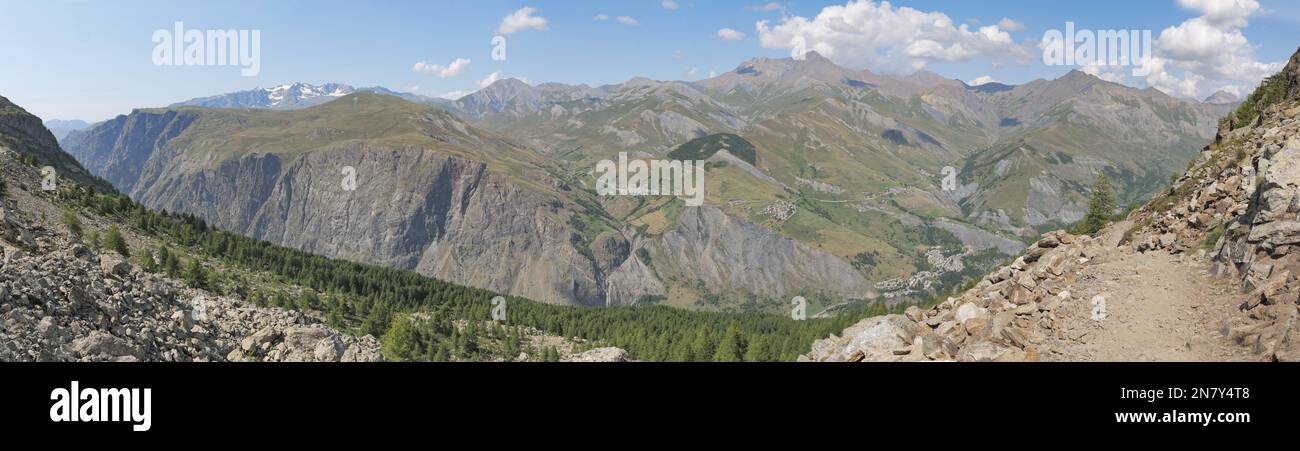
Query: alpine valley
pixel 822 182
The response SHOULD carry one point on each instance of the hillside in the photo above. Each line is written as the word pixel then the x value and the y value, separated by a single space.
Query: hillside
pixel 270 303
pixel 1205 271
pixel 29 140
pixel 444 198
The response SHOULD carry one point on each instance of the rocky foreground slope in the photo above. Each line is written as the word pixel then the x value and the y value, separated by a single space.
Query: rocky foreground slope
pixel 61 301
pixel 1234 215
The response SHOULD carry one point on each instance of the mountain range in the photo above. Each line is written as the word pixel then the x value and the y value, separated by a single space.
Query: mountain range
pixel 60 128
pixel 823 181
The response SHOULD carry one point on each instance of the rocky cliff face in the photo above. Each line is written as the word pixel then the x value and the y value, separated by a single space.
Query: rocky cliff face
pixel 443 216
pixel 724 252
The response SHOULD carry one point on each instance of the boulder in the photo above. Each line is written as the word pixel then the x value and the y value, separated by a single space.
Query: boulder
pixel 987 351
pixel 968 312
pixel 102 344
pixel 113 265
pixel 608 354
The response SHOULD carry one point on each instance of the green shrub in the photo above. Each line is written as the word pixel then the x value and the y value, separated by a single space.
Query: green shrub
pixel 72 222
pixel 1101 208
pixel 1270 92
pixel 114 241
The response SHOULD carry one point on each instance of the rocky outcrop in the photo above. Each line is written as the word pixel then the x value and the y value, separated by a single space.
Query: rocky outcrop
pixel 1011 315
pixel 60 301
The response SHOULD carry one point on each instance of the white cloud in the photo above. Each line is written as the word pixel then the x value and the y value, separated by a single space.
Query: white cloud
pixel 691 72
pixel 766 7
pixel 982 80
pixel 677 54
pixel 489 80
pixel 521 20
pixel 1010 24
pixel 626 20
pixel 450 70
pixel 669 4
pixel 728 34
pixel 1209 52
pixel 879 36
pixel 1161 79
pixel 1223 12
pixel 600 18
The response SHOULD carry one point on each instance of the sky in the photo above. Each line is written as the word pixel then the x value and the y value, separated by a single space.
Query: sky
pixel 93 60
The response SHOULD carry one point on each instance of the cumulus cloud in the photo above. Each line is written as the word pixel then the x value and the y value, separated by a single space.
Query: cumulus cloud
pixel 449 70
pixel 1209 51
pixel 728 34
pixel 520 20
pixel 982 80
pixel 1221 13
pixel 1010 24
pixel 600 18
pixel 879 36
pixel 669 4
pixel 489 80
pixel 627 20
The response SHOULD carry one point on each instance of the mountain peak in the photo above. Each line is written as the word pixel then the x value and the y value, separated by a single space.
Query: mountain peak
pixel 1221 98
pixel 813 57
pixel 1080 75
pixel 287 96
pixel 512 83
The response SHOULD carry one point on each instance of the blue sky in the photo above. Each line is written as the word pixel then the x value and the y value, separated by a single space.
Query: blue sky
pixel 91 60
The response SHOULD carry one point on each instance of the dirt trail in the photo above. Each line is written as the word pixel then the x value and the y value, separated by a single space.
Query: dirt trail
pixel 1158 308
